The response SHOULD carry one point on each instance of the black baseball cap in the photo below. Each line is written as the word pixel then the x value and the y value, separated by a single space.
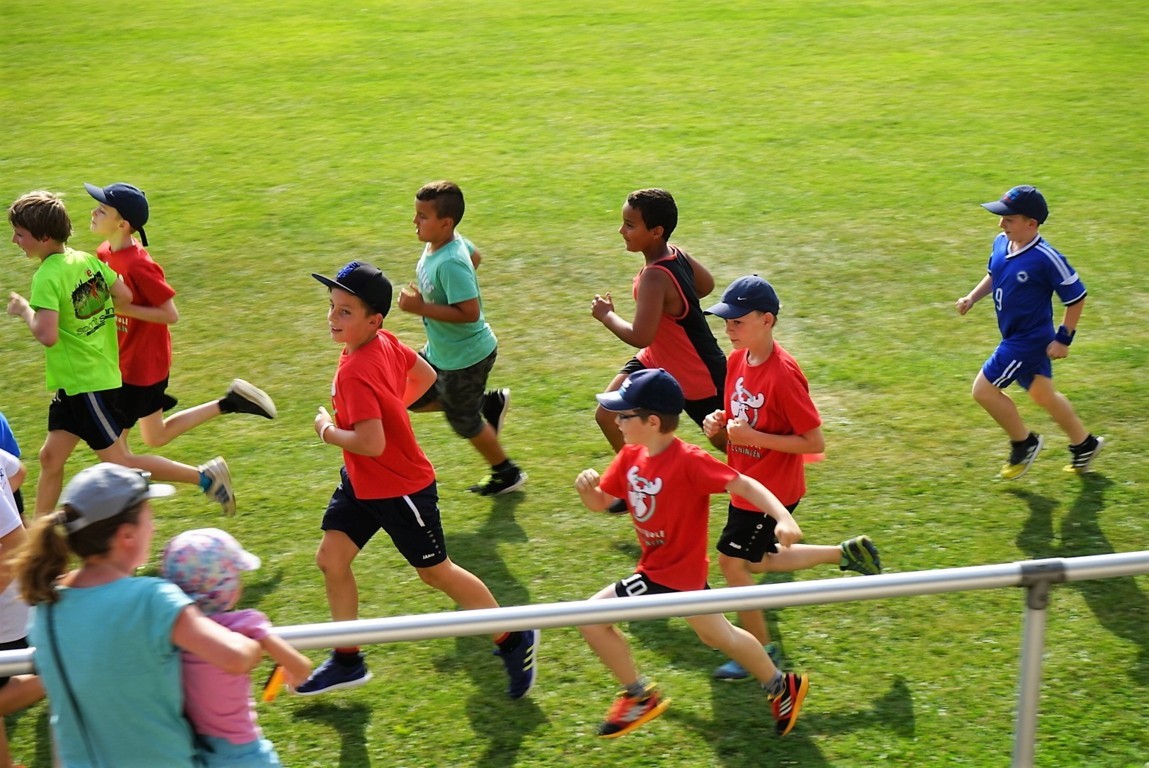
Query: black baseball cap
pixel 365 281
pixel 651 389
pixel 745 295
pixel 130 202
pixel 1024 200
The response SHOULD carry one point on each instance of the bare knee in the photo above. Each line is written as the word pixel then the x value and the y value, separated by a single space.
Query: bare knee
pixel 734 569
pixel 436 576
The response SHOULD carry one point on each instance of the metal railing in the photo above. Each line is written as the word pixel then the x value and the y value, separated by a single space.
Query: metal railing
pixel 1036 576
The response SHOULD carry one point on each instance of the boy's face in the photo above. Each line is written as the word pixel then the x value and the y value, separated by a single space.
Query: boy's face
pixel 1019 229
pixel 350 321
pixel 106 220
pixel 744 331
pixel 635 430
pixel 634 232
pixel 428 226
pixel 33 248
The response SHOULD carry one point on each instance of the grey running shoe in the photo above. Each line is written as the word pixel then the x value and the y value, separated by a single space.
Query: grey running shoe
pixel 220 488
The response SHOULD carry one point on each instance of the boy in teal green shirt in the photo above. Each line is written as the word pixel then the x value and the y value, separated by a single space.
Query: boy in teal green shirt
pixel 461 346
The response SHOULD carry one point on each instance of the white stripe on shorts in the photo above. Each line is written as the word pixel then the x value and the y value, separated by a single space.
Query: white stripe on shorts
pixel 1008 373
pixel 415 511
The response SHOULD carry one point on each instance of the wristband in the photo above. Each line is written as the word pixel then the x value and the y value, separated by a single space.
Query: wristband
pixel 1064 336
pixel 323 432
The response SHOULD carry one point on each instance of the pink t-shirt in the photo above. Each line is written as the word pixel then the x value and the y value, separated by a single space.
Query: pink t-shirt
pixel 219 704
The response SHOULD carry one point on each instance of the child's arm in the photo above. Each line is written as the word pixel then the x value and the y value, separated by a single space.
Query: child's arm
pixel 411 300
pixel 1056 349
pixel 419 380
pixel 366 437
pixel 980 291
pixel 43 323
pixel 476 259
pixel 740 432
pixel 594 498
pixel 296 666
pixel 654 286
pixel 164 314
pixel 217 645
pixel 703 280
pixel 786 531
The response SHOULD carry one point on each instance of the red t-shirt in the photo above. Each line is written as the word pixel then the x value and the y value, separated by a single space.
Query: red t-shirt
pixel 669 500
pixel 369 384
pixel 775 398
pixel 145 348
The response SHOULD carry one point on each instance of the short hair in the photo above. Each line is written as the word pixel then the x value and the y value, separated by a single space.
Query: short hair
pixel 657 208
pixel 448 199
pixel 667 422
pixel 42 214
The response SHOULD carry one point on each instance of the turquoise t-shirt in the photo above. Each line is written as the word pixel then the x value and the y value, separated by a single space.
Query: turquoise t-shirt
pixel 446 276
pixel 116 646
pixel 77 286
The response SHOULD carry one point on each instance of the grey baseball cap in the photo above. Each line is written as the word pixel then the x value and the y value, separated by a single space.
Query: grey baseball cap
pixel 105 490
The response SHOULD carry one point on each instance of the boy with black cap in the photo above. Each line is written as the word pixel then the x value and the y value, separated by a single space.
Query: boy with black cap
pixel 1023 274
pixel 145 343
pixel 771 426
pixel 667 484
pixel 387 481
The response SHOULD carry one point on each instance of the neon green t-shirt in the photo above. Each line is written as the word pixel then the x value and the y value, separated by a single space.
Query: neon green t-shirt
pixel 77 286
pixel 446 276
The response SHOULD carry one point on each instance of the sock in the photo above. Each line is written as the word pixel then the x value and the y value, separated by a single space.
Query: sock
pixel 225 405
pixel 204 482
pixel 348 656
pixel 776 686
pixel 505 466
pixel 509 641
pixel 637 689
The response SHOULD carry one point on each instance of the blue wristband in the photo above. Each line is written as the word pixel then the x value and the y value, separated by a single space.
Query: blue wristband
pixel 1064 336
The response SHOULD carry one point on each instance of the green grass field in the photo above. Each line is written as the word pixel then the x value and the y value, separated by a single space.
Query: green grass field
pixel 838 148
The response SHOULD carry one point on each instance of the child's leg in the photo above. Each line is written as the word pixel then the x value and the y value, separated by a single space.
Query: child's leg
pixel 159 467
pixel 611 646
pixel 606 419
pixel 334 557
pixel 157 431
pixel 738 573
pixel 58 446
pixel 1042 392
pixel 1000 406
pixel 465 588
pixel 716 631
pixel 797 557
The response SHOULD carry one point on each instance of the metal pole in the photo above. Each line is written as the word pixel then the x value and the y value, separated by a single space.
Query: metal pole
pixel 1037 578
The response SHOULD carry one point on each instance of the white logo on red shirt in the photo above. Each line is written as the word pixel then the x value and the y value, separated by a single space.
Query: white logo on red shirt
pixel 642 493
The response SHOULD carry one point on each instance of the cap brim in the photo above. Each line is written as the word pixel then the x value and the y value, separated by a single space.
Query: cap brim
pixel 96 192
pixel 727 311
pixel 333 283
pixel 612 401
pixel 999 208
pixel 160 490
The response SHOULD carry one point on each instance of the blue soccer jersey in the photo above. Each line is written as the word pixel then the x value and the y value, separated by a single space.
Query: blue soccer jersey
pixel 1023 286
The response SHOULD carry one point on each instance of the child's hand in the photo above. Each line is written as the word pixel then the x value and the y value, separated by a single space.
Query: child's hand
pixel 297 671
pixel 714 423
pixel 322 419
pixel 410 299
pixel 587 480
pixel 787 532
pixel 739 431
pixel 963 304
pixel 17 304
pixel 601 306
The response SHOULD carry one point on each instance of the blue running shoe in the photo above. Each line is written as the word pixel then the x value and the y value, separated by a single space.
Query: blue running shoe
pixel 334 676
pixel 520 662
pixel 733 672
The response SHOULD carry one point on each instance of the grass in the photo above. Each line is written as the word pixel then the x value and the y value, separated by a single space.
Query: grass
pixel 838 148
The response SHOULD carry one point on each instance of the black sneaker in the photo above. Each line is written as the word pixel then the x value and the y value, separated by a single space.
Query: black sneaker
pixel 1021 456
pixel 498 483
pixel 496 403
pixel 334 676
pixel 242 397
pixel 1081 456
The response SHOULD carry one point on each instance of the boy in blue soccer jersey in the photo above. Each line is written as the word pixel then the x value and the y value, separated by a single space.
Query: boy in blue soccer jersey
pixel 1023 274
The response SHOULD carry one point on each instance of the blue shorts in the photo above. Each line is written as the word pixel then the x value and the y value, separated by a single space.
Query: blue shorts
pixel 214 752
pixel 1012 362
pixel 94 417
pixel 412 521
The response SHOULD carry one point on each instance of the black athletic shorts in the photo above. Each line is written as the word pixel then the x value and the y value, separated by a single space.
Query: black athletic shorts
pixel 94 417
pixel 749 534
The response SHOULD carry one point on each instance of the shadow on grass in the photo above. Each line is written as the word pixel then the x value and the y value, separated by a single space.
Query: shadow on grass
pixel 503 724
pixel 349 721
pixel 1118 603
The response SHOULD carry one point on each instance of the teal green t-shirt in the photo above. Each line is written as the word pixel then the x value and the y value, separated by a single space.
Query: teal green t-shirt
pixel 446 276
pixel 77 286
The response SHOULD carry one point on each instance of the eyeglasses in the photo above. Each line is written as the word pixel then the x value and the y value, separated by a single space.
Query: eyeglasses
pixel 626 416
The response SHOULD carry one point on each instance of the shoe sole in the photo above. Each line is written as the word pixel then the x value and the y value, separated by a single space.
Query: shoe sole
pixel 1089 464
pixel 254 394
pixel 1029 463
pixel 497 424
pixel 338 686
pixel 796 707
pixel 646 718
pixel 867 567
pixel 534 669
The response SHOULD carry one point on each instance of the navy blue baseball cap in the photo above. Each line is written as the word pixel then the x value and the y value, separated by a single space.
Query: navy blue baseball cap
pixel 365 281
pixel 130 202
pixel 651 389
pixel 745 295
pixel 1022 200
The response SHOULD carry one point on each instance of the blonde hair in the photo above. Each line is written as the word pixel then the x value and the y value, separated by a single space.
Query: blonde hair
pixel 48 548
